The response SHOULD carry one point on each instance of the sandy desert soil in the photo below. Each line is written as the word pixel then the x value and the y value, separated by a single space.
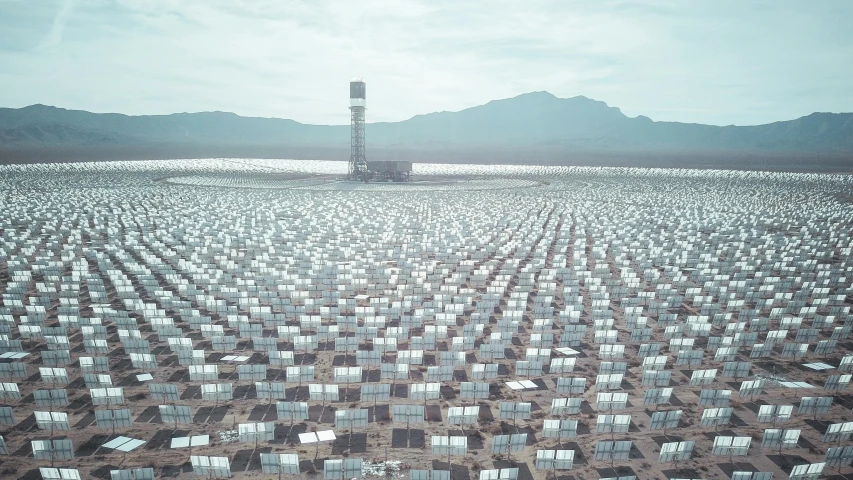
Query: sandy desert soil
pixel 384 439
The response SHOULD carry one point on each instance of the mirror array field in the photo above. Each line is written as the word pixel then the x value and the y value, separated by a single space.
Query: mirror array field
pixel 240 318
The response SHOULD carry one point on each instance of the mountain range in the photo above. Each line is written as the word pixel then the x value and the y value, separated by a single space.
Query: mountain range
pixel 534 122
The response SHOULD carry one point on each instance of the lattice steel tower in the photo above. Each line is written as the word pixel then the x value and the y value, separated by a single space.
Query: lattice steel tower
pixel 358 103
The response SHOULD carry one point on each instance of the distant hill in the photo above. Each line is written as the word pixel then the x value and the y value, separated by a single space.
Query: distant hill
pixel 541 119
pixel 533 122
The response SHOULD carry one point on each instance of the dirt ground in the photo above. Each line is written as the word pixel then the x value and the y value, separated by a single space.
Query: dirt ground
pixel 384 438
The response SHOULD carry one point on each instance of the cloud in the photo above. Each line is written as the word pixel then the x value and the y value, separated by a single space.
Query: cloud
pixel 55 36
pixel 710 61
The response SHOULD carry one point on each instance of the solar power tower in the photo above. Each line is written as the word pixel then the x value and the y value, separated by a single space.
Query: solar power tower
pixel 358 103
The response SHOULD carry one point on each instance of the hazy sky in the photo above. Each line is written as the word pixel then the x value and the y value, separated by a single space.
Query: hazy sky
pixel 714 61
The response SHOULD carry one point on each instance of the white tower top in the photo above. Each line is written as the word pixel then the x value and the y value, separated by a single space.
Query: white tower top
pixel 357 93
